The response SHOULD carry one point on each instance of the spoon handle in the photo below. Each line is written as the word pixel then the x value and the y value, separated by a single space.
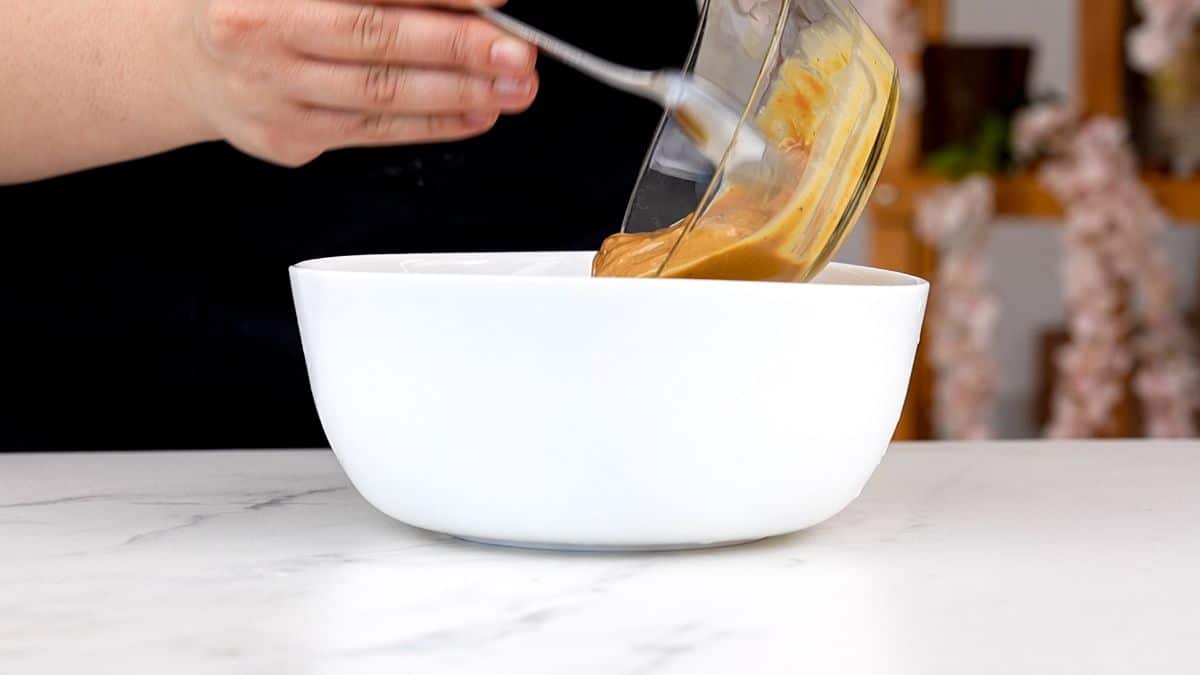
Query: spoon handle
pixel 640 82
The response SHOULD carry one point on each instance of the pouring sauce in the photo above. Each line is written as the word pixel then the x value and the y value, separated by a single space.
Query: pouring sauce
pixel 831 116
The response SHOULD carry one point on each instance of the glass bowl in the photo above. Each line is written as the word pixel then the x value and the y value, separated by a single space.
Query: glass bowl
pixel 816 81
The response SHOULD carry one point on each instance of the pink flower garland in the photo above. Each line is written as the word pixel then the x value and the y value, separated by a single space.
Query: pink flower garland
pixel 964 311
pixel 1112 243
pixel 1166 28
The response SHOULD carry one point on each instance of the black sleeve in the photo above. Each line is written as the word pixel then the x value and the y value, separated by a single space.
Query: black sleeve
pixel 147 305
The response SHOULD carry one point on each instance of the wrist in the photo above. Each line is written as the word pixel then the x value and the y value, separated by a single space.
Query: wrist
pixel 178 73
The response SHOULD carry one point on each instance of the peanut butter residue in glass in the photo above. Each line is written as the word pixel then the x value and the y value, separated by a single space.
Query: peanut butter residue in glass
pixel 831 115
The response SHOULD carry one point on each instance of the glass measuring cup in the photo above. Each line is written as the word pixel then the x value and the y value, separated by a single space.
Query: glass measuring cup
pixel 817 82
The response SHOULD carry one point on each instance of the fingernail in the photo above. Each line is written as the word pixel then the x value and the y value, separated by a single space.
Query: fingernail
pixel 479 119
pixel 510 53
pixel 511 86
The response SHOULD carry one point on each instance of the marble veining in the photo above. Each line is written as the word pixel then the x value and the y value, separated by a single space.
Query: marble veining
pixel 981 558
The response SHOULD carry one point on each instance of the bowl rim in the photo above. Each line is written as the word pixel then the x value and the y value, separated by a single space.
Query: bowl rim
pixel 342 266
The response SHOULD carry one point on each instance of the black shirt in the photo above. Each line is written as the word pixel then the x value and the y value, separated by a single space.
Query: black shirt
pixel 147 305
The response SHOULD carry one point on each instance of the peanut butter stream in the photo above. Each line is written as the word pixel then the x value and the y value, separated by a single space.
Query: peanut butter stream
pixel 831 114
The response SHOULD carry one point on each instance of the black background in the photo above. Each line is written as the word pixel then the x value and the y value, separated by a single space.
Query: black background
pixel 147 305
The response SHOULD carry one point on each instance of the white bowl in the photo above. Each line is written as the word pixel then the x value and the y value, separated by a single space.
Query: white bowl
pixel 511 398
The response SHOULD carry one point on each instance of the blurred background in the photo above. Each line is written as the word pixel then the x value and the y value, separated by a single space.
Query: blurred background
pixel 978 66
pixel 147 305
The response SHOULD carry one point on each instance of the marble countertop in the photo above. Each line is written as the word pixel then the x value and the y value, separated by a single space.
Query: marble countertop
pixel 984 558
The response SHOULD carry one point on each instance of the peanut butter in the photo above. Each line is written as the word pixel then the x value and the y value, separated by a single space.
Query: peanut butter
pixel 830 112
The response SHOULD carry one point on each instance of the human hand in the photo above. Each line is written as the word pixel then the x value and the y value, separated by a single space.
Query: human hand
pixel 286 80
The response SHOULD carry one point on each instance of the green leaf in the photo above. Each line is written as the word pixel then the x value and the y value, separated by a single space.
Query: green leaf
pixel 987 151
pixel 952 161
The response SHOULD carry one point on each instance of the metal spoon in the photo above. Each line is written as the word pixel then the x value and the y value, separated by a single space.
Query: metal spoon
pixel 705 113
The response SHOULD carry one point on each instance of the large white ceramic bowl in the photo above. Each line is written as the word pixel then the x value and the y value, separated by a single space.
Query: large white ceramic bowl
pixel 511 398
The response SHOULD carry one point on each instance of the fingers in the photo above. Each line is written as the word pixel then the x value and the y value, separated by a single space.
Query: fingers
pixel 287 80
pixel 450 4
pixel 339 129
pixel 397 89
pixel 344 31
pixel 295 135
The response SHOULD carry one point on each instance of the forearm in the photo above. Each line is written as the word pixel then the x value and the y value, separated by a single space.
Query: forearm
pixel 91 82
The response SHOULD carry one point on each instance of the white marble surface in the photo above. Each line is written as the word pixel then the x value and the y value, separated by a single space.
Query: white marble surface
pixel 1006 559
